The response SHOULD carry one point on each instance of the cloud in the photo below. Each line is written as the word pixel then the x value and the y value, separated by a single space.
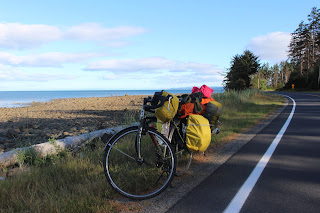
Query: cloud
pixel 155 71
pixel 96 32
pixel 50 59
pixel 194 79
pixel 147 65
pixel 273 46
pixel 17 75
pixel 23 36
pixel 110 76
pixel 20 36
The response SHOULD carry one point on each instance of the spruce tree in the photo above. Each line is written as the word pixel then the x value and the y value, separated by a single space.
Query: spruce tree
pixel 242 67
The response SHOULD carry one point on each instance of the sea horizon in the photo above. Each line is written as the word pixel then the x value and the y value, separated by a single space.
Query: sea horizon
pixel 10 99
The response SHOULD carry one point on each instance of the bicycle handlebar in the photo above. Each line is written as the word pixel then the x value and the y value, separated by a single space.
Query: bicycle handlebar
pixel 154 103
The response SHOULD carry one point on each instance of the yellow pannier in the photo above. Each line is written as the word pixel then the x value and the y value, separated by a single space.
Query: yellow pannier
pixel 169 109
pixel 198 134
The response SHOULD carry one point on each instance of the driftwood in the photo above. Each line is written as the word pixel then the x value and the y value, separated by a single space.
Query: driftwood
pixel 49 148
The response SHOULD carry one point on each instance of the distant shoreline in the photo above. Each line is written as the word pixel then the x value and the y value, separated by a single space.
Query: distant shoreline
pixel 12 99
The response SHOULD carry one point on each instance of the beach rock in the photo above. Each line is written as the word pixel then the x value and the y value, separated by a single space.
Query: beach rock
pixel 28 131
pixel 44 133
pixel 8 146
pixel 73 129
pixel 3 140
pixel 25 130
pixel 6 140
pixel 66 134
pixel 55 125
pixel 2 148
pixel 29 126
pixel 37 131
pixel 29 135
pixel 21 128
pixel 101 126
pixel 48 134
pixel 36 126
pixel 12 133
pixel 17 130
pixel 51 134
pixel 84 130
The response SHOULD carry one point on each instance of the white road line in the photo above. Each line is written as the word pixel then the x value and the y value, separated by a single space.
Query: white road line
pixel 237 202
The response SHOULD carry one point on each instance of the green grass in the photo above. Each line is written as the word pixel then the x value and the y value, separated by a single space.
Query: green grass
pixel 76 183
pixel 243 110
pixel 69 184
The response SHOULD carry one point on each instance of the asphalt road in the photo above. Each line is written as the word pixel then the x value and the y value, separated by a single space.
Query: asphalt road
pixel 290 181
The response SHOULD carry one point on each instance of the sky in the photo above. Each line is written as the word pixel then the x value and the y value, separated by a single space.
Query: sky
pixel 138 44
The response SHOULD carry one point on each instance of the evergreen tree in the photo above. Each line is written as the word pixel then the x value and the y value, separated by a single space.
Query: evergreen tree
pixel 267 74
pixel 304 52
pixel 298 46
pixel 314 28
pixel 285 68
pixel 242 67
pixel 276 74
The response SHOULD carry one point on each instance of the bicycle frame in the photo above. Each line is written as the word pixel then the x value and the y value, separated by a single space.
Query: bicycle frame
pixel 142 126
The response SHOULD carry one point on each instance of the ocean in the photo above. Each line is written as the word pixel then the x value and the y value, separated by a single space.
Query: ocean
pixel 23 98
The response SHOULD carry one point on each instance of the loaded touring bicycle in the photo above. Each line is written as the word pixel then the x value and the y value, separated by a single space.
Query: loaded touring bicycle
pixel 141 161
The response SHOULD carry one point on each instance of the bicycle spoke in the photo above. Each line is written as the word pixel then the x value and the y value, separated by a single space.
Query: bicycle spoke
pixel 144 178
pixel 125 154
pixel 160 177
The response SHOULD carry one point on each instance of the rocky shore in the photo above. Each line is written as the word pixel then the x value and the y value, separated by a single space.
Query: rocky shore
pixel 60 118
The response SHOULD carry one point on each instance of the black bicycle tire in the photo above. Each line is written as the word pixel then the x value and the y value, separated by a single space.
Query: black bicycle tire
pixel 109 146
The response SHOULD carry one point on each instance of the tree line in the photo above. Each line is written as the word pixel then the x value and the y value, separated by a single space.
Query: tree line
pixel 302 68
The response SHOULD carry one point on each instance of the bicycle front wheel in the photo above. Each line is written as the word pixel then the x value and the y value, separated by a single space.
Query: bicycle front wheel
pixel 139 178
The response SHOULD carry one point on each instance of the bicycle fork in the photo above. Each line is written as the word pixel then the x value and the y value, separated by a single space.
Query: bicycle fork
pixel 161 153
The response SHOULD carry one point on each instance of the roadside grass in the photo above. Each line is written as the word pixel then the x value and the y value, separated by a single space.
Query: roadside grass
pixel 73 183
pixel 76 182
pixel 243 110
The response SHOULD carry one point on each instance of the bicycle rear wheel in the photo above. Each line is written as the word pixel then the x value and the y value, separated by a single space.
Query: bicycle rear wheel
pixel 184 158
pixel 139 178
pixel 183 155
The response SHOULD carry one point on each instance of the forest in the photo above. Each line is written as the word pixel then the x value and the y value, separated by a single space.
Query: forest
pixel 302 68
